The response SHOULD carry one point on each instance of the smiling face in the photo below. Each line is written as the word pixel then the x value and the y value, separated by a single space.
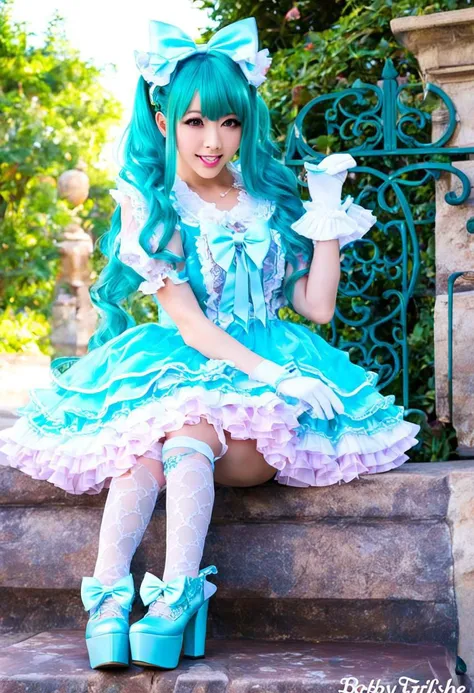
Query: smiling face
pixel 204 146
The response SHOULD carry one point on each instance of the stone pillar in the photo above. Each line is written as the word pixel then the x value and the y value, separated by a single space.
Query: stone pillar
pixel 443 44
pixel 74 317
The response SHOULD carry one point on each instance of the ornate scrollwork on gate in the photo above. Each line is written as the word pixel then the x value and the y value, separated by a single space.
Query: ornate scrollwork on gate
pixel 398 163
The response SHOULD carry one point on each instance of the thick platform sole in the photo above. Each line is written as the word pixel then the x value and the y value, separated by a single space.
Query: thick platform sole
pixel 164 651
pixel 149 649
pixel 111 650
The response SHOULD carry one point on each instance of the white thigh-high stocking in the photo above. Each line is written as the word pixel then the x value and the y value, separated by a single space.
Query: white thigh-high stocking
pixel 127 512
pixel 188 465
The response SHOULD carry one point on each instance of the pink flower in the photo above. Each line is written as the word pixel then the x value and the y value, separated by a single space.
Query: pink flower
pixel 292 14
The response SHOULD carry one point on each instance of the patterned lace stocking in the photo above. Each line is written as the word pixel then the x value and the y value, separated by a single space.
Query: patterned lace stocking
pixel 189 503
pixel 127 512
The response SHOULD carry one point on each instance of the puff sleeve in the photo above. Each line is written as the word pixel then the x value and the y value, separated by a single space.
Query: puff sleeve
pixel 134 213
pixel 327 217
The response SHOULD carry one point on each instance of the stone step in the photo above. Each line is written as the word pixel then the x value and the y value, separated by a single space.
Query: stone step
pixel 57 661
pixel 377 559
pixel 27 610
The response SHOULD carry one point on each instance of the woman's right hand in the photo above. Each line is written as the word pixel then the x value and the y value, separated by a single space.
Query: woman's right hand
pixel 325 404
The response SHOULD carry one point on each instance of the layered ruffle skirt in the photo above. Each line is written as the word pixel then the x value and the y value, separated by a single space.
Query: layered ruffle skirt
pixel 116 403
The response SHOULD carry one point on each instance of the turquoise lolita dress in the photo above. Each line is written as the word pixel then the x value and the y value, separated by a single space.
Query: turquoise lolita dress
pixel 118 401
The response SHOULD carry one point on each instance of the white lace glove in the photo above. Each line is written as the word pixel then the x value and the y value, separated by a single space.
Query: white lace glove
pixel 327 217
pixel 288 381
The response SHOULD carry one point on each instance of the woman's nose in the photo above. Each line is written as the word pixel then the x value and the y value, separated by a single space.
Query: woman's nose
pixel 212 138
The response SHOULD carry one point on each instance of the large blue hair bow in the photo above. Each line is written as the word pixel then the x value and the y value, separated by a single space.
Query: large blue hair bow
pixel 248 249
pixel 169 44
pixel 93 592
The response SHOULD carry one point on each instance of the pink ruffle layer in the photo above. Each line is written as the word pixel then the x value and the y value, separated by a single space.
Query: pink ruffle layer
pixel 85 463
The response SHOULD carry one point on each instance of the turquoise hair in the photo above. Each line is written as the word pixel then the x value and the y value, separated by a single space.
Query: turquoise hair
pixel 149 164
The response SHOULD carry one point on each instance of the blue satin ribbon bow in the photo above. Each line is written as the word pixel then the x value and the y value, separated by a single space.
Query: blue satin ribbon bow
pixel 169 44
pixel 172 592
pixel 152 588
pixel 249 249
pixel 93 592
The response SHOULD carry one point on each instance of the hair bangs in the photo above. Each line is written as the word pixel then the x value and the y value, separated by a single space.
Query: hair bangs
pixel 220 83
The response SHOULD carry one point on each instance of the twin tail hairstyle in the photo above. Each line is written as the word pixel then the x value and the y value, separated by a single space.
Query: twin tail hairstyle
pixel 149 164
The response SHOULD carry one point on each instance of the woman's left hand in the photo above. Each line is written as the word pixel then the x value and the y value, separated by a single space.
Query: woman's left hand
pixel 324 402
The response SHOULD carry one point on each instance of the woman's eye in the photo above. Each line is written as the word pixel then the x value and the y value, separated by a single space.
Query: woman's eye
pixel 195 122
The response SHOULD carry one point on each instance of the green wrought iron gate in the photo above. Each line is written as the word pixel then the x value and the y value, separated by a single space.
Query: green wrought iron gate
pixel 384 283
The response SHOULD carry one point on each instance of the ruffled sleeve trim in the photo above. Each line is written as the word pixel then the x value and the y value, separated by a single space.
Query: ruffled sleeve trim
pixel 347 223
pixel 152 270
pixel 139 205
pixel 130 252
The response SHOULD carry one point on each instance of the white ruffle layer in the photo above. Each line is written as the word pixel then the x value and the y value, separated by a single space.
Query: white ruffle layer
pixel 85 463
pixel 348 222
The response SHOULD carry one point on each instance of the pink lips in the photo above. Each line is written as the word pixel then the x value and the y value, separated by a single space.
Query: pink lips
pixel 209 164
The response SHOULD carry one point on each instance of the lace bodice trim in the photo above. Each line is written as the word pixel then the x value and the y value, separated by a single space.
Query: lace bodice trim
pixel 193 210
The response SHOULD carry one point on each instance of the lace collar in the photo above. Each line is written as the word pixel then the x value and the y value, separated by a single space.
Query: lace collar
pixel 193 210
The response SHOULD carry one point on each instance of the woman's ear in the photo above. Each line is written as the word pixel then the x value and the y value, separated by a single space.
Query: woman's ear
pixel 161 122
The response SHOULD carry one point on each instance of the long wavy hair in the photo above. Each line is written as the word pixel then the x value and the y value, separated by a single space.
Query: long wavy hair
pixel 149 164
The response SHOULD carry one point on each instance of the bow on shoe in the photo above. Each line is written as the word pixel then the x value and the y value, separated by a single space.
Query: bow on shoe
pixel 153 588
pixel 172 592
pixel 93 592
pixel 169 44
pixel 249 249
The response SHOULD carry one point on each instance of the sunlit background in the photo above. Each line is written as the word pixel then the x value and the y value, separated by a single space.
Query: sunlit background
pixel 106 33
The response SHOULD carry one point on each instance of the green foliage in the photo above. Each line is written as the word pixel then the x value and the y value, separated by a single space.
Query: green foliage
pixel 326 49
pixel 55 114
pixel 26 332
pixel 276 29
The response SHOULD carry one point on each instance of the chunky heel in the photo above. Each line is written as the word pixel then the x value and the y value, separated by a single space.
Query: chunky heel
pixel 153 650
pixel 111 649
pixel 195 633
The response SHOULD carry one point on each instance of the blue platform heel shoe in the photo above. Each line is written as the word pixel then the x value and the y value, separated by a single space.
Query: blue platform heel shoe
pixel 107 636
pixel 158 640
